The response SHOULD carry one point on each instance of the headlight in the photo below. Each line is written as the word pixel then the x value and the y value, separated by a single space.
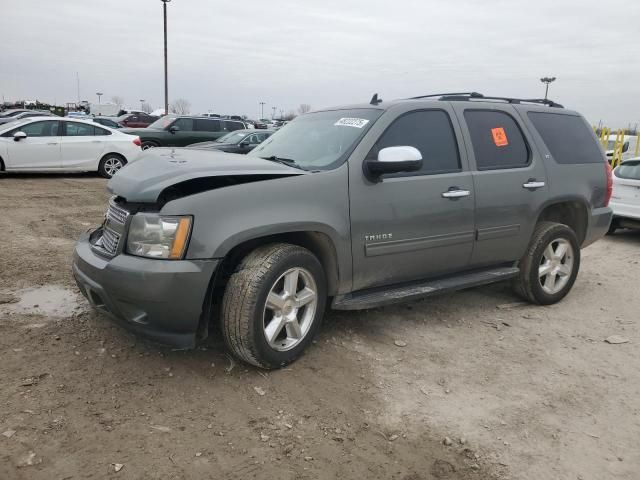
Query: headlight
pixel 158 236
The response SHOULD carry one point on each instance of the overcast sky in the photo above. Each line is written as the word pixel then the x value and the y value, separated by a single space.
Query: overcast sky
pixel 227 56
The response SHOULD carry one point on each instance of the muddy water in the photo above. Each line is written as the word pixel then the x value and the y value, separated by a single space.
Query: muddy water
pixel 50 301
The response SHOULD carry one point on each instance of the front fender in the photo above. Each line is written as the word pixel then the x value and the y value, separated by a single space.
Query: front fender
pixel 229 216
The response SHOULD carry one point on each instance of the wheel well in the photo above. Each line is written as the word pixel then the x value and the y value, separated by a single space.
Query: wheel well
pixel 318 243
pixel 572 213
pixel 1 165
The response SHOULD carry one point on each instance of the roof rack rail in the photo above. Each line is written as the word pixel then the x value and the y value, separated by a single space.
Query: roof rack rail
pixel 467 96
pixel 462 94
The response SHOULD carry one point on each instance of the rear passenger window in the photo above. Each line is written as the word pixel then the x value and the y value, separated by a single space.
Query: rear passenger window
pixel 429 131
pixel 497 140
pixel 567 137
pixel 207 125
pixel 101 131
pixel 79 130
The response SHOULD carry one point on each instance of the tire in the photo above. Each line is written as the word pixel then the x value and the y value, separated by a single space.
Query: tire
pixel 148 144
pixel 110 164
pixel 562 269
pixel 246 313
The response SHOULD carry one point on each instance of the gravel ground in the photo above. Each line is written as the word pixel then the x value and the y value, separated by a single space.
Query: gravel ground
pixel 486 387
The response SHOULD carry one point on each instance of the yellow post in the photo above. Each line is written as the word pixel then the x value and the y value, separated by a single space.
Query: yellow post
pixel 637 146
pixel 616 159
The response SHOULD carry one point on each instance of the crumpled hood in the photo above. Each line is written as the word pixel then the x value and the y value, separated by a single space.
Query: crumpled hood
pixel 143 180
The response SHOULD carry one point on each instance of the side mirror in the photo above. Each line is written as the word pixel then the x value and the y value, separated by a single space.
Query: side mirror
pixel 393 160
pixel 244 144
pixel 174 129
pixel 19 136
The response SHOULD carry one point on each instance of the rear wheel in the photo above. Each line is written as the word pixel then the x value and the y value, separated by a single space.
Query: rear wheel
pixel 147 145
pixel 273 305
pixel 550 266
pixel 110 164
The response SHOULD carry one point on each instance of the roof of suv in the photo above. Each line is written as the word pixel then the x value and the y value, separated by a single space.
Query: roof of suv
pixel 468 97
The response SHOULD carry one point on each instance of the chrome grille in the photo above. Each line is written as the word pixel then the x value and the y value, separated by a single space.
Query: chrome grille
pixel 109 241
pixel 116 213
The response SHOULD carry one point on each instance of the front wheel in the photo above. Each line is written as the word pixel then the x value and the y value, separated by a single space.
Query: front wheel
pixel 273 305
pixel 110 164
pixel 550 265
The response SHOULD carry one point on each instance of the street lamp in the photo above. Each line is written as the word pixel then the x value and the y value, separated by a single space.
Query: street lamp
pixel 547 81
pixel 166 83
pixel 261 110
pixel 274 113
pixel 99 94
pixel 142 104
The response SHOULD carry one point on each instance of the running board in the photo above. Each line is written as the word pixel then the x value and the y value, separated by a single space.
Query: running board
pixel 377 297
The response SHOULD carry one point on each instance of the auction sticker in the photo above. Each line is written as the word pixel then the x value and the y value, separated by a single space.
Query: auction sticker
pixel 499 137
pixel 352 122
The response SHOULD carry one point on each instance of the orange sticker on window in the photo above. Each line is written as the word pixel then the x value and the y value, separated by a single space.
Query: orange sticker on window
pixel 499 137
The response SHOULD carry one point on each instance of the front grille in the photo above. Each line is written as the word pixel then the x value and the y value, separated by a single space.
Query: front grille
pixel 109 240
pixel 116 213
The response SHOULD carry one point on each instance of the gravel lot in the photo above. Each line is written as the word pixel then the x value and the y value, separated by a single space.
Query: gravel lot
pixel 485 388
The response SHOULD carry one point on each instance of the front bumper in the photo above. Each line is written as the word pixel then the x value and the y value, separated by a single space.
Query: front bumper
pixel 162 300
pixel 599 222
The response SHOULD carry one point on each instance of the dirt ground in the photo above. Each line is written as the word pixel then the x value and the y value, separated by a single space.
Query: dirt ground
pixel 485 388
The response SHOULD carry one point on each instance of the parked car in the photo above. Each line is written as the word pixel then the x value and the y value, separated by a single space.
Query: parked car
pixel 240 141
pixel 136 120
pixel 182 130
pixel 629 146
pixel 625 200
pixel 27 114
pixel 55 144
pixel 107 122
pixel 352 208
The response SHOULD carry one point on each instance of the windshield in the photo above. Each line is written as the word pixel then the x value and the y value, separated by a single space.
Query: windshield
pixel 162 122
pixel 319 140
pixel 233 137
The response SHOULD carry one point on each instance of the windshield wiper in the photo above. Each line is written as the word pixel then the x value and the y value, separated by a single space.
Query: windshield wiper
pixel 285 161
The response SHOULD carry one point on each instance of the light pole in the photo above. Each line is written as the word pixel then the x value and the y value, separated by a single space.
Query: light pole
pixel 261 110
pixel 142 104
pixel 99 94
pixel 166 83
pixel 547 81
pixel 274 113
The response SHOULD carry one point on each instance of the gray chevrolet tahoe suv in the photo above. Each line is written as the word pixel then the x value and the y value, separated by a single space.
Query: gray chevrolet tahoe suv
pixel 351 207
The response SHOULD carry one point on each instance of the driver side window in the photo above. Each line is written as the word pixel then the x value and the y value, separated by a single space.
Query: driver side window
pixel 38 129
pixel 431 132
pixel 184 124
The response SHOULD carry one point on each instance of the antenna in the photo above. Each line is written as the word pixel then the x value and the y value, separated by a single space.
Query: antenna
pixel 375 100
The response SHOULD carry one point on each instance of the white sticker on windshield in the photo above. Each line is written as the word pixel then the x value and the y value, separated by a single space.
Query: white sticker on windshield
pixel 352 122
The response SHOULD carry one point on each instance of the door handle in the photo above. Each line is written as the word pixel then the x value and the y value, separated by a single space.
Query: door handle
pixel 456 193
pixel 532 184
pixel 52 143
pixel 95 141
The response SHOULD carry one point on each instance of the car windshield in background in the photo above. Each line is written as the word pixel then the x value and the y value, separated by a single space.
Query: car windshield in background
pixel 232 137
pixel 319 140
pixel 162 122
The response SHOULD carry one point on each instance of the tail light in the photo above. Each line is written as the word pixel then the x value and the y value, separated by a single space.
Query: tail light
pixel 609 173
pixel 139 143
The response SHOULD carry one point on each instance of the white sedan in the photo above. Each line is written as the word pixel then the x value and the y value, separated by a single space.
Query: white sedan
pixel 625 200
pixel 55 144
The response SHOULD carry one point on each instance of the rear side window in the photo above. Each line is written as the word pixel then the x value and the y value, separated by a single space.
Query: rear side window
pixel 429 131
pixel 207 125
pixel 79 129
pixel 497 140
pixel 101 131
pixel 567 137
pixel 629 169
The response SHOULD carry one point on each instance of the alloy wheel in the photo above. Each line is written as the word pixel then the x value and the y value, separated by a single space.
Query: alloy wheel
pixel 290 309
pixel 556 266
